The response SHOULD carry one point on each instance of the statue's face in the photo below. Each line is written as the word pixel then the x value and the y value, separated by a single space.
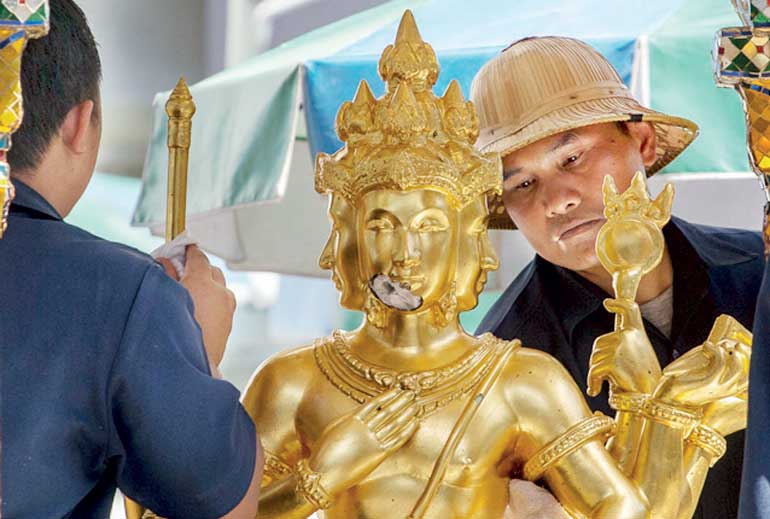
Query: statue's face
pixel 340 254
pixel 410 236
pixel 475 252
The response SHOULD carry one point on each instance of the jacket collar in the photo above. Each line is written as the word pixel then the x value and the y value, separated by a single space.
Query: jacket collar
pixel 28 198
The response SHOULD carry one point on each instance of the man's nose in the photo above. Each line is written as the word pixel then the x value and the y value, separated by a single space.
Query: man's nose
pixel 561 199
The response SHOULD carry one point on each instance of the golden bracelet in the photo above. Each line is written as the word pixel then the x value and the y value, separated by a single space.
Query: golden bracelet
pixel 309 486
pixel 628 402
pixel 275 469
pixel 709 440
pixel 572 439
pixel 670 416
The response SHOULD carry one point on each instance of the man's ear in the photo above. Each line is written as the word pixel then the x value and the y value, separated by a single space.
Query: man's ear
pixel 645 137
pixel 74 130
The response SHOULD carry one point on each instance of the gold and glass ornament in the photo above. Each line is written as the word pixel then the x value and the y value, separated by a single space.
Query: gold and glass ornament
pixel 20 20
pixel 741 59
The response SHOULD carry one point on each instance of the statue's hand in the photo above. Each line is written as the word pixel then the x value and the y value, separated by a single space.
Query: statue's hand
pixel 706 374
pixel 529 501
pixel 727 415
pixel 351 447
pixel 624 357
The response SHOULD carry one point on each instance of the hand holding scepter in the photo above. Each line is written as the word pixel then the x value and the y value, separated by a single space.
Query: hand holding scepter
pixel 629 246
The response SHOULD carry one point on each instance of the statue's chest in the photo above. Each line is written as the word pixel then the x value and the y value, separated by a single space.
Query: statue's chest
pixel 478 454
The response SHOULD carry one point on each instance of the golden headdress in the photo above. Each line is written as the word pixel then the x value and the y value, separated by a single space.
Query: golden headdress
pixel 409 138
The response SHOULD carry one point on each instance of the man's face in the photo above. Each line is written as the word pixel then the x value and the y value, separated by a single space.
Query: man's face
pixel 411 238
pixel 552 189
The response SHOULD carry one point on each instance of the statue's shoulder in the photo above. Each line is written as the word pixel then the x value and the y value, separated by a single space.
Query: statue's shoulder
pixel 282 378
pixel 528 365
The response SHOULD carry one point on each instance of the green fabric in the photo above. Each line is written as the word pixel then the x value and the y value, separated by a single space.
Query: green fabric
pixel 245 122
pixel 682 83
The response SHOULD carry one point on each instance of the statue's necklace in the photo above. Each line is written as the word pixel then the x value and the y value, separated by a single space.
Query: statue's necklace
pixel 362 381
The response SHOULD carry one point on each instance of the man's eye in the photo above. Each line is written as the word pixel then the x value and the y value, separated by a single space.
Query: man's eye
pixel 524 185
pixel 571 160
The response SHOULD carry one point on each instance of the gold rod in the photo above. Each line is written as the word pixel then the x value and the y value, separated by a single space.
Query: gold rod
pixel 180 109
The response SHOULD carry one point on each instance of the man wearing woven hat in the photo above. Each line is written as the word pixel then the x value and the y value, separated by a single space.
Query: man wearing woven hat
pixel 562 119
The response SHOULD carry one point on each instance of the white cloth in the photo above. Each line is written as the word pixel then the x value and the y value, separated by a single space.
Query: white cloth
pixel 175 251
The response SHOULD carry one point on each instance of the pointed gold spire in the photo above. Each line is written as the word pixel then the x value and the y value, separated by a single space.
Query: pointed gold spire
pixel 407 30
pixel 180 103
pixel 453 97
pixel 356 117
pixel 364 95
pixel 403 115
pixel 409 59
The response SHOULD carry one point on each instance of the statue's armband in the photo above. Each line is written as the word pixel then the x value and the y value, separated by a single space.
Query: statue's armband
pixel 571 440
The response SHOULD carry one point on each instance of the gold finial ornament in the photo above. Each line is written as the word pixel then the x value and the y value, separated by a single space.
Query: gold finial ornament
pixel 19 22
pixel 411 417
pixel 630 244
pixel 180 109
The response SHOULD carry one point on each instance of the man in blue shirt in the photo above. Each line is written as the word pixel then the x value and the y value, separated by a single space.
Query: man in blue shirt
pixel 755 488
pixel 562 119
pixel 105 360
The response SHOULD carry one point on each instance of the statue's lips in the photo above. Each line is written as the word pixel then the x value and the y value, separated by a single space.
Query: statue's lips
pixel 394 293
pixel 577 228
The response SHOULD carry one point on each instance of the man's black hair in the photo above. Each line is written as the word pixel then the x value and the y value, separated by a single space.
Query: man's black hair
pixel 58 72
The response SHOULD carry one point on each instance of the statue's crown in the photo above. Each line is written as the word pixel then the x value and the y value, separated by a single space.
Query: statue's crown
pixel 635 201
pixel 409 138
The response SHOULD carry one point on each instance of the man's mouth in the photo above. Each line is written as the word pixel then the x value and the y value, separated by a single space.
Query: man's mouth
pixel 577 228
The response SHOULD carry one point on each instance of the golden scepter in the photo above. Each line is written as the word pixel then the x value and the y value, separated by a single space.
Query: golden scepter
pixel 180 109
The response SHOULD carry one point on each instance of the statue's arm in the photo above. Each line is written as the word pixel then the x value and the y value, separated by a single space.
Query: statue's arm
pixel 271 399
pixel 561 442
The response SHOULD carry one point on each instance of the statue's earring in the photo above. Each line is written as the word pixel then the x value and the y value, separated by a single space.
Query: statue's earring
pixel 376 312
pixel 446 309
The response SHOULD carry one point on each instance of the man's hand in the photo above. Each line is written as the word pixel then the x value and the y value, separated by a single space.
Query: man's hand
pixel 529 501
pixel 351 447
pixel 625 357
pixel 214 303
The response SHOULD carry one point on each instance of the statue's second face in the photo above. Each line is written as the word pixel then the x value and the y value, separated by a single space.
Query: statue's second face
pixel 340 254
pixel 475 253
pixel 409 236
